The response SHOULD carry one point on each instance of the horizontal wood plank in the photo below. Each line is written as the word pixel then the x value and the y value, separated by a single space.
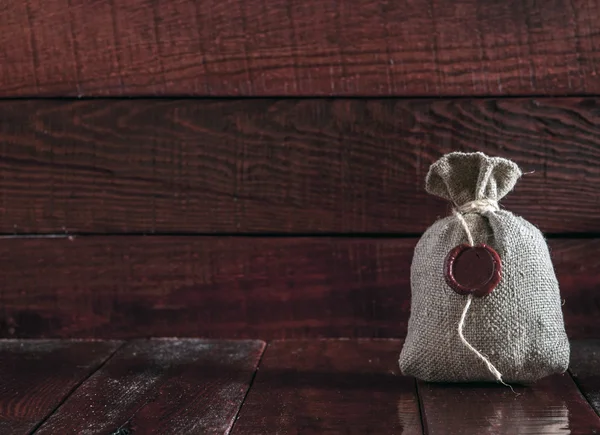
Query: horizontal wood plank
pixel 36 375
pixel 284 166
pixel 331 387
pixel 553 405
pixel 237 286
pixel 300 48
pixel 162 387
pixel 585 368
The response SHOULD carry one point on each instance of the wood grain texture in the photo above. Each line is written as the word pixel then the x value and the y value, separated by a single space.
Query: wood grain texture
pixel 162 387
pixel 585 369
pixel 291 47
pixel 552 406
pixel 331 387
pixel 36 375
pixel 237 286
pixel 284 166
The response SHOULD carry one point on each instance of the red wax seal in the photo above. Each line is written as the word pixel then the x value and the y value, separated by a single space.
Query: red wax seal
pixel 473 270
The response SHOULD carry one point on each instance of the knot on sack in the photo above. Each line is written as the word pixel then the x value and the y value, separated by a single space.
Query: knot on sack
pixel 479 206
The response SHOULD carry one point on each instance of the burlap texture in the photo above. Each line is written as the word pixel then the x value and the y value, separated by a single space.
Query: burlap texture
pixel 519 326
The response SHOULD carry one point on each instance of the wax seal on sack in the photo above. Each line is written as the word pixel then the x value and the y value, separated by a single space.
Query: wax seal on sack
pixel 473 270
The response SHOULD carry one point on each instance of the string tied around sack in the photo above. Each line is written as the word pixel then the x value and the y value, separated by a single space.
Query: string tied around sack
pixel 478 206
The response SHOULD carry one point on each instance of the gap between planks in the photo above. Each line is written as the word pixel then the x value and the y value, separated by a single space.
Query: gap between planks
pixel 250 385
pixel 346 235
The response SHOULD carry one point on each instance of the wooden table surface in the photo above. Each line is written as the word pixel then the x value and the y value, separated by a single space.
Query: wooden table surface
pixel 335 386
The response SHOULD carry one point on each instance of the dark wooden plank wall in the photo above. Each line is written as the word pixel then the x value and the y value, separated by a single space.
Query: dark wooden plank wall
pixel 237 286
pixel 298 48
pixel 351 169
pixel 281 166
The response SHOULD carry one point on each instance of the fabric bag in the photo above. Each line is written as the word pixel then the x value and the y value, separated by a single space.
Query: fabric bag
pixel 457 332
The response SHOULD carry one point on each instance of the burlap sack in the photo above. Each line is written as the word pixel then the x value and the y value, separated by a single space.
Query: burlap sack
pixel 519 327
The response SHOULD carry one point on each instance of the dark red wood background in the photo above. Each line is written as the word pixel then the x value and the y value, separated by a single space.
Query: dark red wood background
pixel 300 166
pixel 115 286
pixel 299 47
pixel 267 179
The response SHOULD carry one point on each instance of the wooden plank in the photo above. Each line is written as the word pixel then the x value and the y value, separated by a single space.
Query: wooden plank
pixel 553 405
pixel 230 287
pixel 37 375
pixel 162 386
pixel 331 387
pixel 585 368
pixel 293 48
pixel 283 166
